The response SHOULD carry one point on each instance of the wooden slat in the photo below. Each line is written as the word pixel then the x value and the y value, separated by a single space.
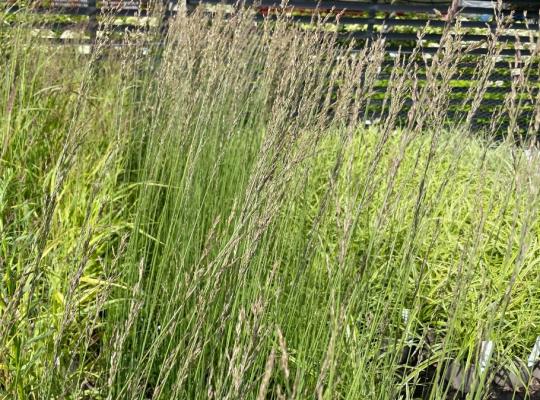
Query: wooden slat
pixel 434 37
pixel 366 7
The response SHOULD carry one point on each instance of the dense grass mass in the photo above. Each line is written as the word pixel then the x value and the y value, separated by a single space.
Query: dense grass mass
pixel 213 219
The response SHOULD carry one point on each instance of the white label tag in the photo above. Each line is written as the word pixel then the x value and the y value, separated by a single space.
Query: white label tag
pixel 485 354
pixel 405 315
pixel 535 354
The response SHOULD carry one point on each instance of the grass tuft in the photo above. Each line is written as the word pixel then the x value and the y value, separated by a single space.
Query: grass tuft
pixel 213 219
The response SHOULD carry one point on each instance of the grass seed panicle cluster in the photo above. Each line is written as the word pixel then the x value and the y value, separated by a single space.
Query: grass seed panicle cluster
pixel 212 218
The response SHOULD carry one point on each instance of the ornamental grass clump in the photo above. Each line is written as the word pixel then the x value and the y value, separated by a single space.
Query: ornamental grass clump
pixel 212 218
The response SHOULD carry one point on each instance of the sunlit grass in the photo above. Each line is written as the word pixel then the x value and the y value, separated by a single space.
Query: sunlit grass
pixel 217 222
